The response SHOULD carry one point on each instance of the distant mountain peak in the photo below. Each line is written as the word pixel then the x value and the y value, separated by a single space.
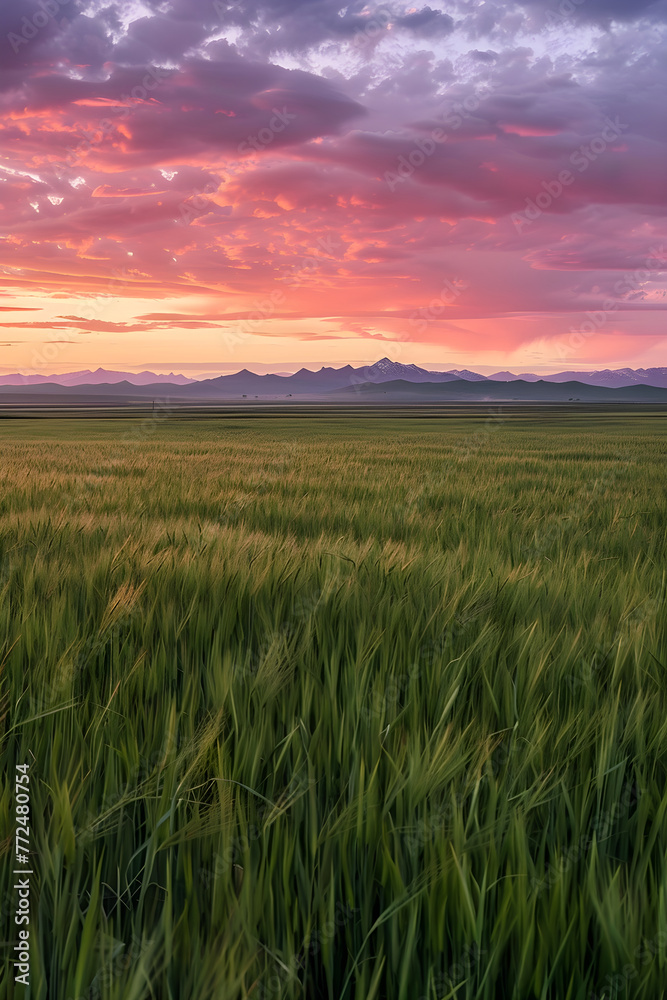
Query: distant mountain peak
pixel 385 365
pixel 386 370
pixel 467 375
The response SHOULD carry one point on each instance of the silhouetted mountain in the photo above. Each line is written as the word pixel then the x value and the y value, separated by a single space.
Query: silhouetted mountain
pixel 511 377
pixel 385 370
pixel 489 391
pixel 384 377
pixel 612 379
pixel 101 376
pixel 248 383
pixel 464 374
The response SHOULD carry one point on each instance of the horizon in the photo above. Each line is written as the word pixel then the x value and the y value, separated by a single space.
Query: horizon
pixel 199 372
pixel 438 182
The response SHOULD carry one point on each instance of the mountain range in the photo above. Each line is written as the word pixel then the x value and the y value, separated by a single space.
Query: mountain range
pixel 101 376
pixel 383 381
pixel 306 380
pixel 402 391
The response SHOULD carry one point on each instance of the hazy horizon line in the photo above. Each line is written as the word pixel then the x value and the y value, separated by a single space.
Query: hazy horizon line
pixel 207 368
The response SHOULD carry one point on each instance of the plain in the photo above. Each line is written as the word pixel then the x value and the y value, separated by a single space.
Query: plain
pixel 338 708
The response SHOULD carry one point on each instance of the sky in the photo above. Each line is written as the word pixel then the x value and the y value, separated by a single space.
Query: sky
pixel 475 184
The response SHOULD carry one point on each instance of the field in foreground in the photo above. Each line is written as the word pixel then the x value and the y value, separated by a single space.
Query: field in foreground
pixel 337 709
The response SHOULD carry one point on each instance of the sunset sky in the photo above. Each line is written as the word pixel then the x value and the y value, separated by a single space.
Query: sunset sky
pixel 190 182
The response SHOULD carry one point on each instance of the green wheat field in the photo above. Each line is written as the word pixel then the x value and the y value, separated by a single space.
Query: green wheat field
pixel 337 709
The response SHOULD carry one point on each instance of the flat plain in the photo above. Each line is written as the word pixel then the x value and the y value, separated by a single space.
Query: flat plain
pixel 338 709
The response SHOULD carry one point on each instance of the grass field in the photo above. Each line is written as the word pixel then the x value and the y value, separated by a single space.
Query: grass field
pixel 343 709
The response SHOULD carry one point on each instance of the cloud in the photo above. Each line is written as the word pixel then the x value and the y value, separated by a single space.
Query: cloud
pixel 427 22
pixel 223 154
pixel 599 11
